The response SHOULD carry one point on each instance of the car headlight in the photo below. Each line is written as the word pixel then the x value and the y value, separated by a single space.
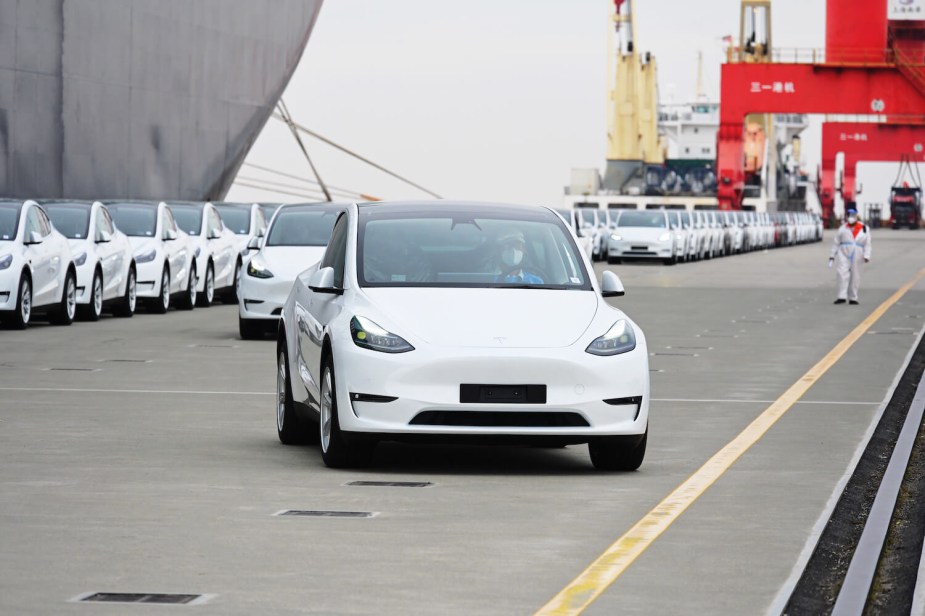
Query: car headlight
pixel 81 259
pixel 6 261
pixel 146 257
pixel 257 270
pixel 616 237
pixel 619 339
pixel 664 237
pixel 368 335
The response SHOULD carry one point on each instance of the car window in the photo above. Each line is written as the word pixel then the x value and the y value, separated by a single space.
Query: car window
pixel 302 226
pixel 261 222
pixel 188 218
pixel 643 218
pixel 105 221
pixel 9 220
pixel 44 223
pixel 136 220
pixel 467 247
pixel 170 223
pixel 71 220
pixel 336 254
pixel 238 219
pixel 214 222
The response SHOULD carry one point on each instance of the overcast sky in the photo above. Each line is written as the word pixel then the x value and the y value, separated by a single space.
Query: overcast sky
pixel 486 99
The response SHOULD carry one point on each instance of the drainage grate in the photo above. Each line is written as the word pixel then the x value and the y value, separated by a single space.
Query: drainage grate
pixel 326 514
pixel 128 361
pixel 133 597
pixel 392 484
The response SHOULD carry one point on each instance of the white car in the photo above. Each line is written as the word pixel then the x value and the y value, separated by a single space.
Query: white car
pixel 102 255
pixel 215 247
pixel 459 320
pixel 37 272
pixel 642 234
pixel 164 257
pixel 584 236
pixel 248 223
pixel 682 235
pixel 295 240
pixel 735 234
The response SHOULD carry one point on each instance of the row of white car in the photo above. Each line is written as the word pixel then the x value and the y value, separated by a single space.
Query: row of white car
pixel 673 236
pixel 73 259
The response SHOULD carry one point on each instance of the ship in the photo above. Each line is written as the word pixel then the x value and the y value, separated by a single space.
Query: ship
pixel 139 99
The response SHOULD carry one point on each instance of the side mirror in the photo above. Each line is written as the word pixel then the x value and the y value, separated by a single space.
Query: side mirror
pixel 322 281
pixel 254 243
pixel 34 238
pixel 105 236
pixel 170 235
pixel 611 286
pixel 213 234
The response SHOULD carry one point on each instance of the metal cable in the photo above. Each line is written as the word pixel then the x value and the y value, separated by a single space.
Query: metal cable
pixel 283 111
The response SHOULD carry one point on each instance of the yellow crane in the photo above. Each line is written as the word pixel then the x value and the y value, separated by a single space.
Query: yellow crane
pixel 632 135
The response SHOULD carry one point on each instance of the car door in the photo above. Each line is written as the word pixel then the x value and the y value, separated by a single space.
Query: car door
pixel 39 256
pixel 224 249
pixel 322 308
pixel 111 253
pixel 175 249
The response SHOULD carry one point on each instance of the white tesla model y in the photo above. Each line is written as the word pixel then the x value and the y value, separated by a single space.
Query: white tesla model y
pixel 459 320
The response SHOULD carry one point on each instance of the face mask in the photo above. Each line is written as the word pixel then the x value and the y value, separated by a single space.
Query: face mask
pixel 512 256
pixel 852 220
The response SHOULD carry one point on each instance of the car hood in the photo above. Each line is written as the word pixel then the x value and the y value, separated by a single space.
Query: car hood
pixel 640 234
pixel 290 261
pixel 495 318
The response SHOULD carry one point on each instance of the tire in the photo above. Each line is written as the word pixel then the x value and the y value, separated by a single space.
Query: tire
pixel 671 261
pixel 188 302
pixel 94 310
pixel 205 299
pixel 337 449
pixel 231 296
pixel 618 453
pixel 126 306
pixel 614 260
pixel 290 428
pixel 162 303
pixel 251 329
pixel 66 310
pixel 20 317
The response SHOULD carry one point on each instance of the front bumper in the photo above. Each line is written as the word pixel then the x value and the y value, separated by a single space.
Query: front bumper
pixel 9 286
pixel 630 249
pixel 426 385
pixel 262 298
pixel 148 277
pixel 85 283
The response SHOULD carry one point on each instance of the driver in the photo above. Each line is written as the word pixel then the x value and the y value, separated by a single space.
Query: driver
pixel 510 248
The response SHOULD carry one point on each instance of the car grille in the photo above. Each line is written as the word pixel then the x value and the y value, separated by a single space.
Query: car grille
pixel 500 419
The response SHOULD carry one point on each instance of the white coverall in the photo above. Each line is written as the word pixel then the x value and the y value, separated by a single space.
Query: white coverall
pixel 850 253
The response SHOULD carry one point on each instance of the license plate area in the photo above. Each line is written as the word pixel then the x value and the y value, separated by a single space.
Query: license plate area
pixel 476 393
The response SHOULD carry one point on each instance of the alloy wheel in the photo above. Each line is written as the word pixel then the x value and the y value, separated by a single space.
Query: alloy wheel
pixel 165 291
pixel 71 290
pixel 132 290
pixel 327 404
pixel 97 296
pixel 26 302
pixel 280 391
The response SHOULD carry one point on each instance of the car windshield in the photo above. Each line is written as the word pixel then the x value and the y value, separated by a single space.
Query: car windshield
pixel 643 219
pixel 306 225
pixel 71 219
pixel 9 220
pixel 587 215
pixel 188 217
pixel 493 247
pixel 238 219
pixel 137 220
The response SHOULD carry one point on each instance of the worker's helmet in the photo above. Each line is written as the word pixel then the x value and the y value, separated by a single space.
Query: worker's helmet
pixel 851 211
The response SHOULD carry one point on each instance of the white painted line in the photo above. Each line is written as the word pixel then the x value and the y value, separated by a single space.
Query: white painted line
pixel 141 391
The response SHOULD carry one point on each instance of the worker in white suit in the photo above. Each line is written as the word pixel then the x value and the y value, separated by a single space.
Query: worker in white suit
pixel 850 250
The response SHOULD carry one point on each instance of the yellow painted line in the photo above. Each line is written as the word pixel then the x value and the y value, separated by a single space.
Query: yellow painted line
pixel 593 581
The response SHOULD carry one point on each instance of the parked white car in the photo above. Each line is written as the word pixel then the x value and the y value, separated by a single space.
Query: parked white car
pixel 296 239
pixel 37 272
pixel 215 247
pixel 682 235
pixel 735 233
pixel 164 257
pixel 585 239
pixel 102 255
pixel 443 319
pixel 642 234
pixel 247 222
